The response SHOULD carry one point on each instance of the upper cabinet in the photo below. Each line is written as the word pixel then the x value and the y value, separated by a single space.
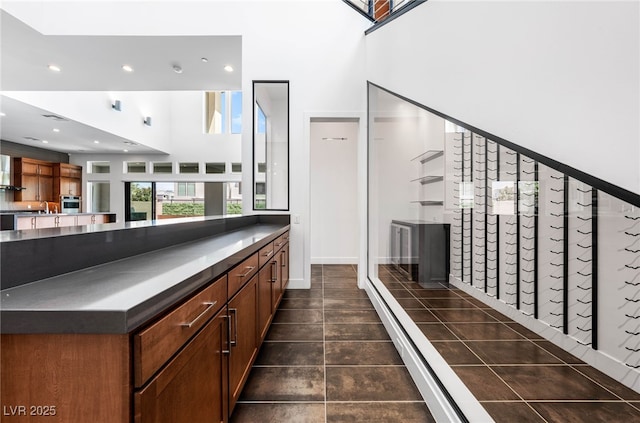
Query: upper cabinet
pixel 45 181
pixel 67 180
pixel 36 177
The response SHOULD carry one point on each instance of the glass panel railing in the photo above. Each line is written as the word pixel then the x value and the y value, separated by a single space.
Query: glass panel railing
pixel 545 244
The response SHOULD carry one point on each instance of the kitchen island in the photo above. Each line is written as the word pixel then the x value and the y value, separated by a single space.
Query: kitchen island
pixel 121 339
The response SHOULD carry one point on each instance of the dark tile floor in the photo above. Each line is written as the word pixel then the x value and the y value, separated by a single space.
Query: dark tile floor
pixel 327 358
pixel 515 374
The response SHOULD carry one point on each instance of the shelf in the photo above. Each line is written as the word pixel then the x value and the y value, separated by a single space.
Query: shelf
pixel 428 155
pixel 11 188
pixel 429 202
pixel 428 179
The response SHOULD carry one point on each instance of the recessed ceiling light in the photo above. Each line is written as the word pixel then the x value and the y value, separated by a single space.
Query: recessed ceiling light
pixel 127 68
pixel 96 142
pixel 228 68
pixel 3 114
pixel 54 68
pixel 45 141
pixel 177 68
pixel 204 60
pixel 56 130
pixel 126 151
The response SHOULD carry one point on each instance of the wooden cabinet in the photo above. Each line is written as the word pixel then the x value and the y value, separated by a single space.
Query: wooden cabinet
pixel 34 175
pixel 45 181
pixel 243 339
pixel 265 307
pixel 188 364
pixel 154 345
pixel 67 180
pixel 192 387
pixel 92 219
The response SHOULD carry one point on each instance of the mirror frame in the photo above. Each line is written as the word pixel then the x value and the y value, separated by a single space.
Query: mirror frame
pixel 253 145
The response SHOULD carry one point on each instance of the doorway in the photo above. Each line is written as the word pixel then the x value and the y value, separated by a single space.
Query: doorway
pixel 334 190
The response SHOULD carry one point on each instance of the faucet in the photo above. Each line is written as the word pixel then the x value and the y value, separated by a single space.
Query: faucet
pixel 46 206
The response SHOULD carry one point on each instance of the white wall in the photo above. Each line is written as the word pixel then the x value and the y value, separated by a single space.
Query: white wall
pixel 318 45
pixel 93 108
pixel 560 78
pixel 334 193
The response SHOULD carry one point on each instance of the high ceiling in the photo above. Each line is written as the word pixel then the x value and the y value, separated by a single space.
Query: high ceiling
pixel 94 63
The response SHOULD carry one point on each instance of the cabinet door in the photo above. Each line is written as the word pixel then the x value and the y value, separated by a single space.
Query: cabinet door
pixel 243 339
pixel 276 278
pixel 86 219
pixel 46 221
pixel 265 302
pixel 75 186
pixel 30 182
pixel 26 222
pixel 192 387
pixel 284 267
pixel 45 188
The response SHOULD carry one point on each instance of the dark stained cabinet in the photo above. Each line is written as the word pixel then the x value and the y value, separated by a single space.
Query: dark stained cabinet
pixel 67 180
pixel 265 307
pixel 34 175
pixel 192 387
pixel 187 364
pixel 243 338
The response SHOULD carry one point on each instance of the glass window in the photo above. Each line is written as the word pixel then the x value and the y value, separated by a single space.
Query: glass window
pixel 261 124
pixel 215 167
pixel 236 112
pixel 99 167
pixel 223 111
pixel 136 167
pixel 163 167
pixel 236 167
pixel 189 167
pixel 262 167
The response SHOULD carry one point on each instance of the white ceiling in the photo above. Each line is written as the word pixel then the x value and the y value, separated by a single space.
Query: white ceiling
pixel 94 63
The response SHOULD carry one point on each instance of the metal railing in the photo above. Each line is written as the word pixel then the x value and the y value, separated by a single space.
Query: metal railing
pixel 379 10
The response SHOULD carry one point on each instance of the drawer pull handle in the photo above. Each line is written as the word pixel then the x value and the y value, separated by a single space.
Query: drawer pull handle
pixel 199 316
pixel 234 342
pixel 280 244
pixel 249 270
pixel 269 254
pixel 274 270
pixel 228 318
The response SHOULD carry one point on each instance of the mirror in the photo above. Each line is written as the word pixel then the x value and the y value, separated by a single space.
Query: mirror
pixel 271 145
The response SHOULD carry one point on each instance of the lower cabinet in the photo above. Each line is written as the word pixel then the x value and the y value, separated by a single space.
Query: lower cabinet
pixel 192 387
pixel 188 365
pixel 243 337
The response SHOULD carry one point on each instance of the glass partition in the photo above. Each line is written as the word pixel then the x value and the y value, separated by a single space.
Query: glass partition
pixel 536 243
pixel 271 145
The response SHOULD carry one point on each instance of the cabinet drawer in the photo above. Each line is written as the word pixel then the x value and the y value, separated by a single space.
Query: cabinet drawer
pixel 242 273
pixel 266 254
pixel 281 241
pixel 154 345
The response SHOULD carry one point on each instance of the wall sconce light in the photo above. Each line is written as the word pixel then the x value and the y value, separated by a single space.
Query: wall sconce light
pixel 116 105
pixel 147 121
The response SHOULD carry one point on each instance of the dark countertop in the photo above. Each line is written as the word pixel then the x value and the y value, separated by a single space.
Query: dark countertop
pixel 120 296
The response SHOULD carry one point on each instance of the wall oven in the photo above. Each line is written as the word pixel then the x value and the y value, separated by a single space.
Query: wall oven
pixel 70 204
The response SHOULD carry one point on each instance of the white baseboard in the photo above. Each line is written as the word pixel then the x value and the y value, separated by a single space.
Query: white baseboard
pixel 392 316
pixel 298 284
pixel 334 260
